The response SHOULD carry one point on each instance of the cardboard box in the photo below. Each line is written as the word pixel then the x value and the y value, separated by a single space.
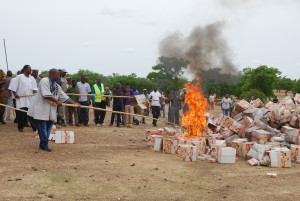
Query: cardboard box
pixel 261 136
pixel 170 145
pixel 237 144
pixel 246 148
pixel 226 155
pixel 297 98
pixel 270 105
pixel 187 152
pixel 280 157
pixel 213 149
pixel 66 137
pixel 200 143
pixel 169 131
pixel 242 105
pixel 236 127
pixel 257 151
pixel 247 121
pixel 295 153
pixel 151 140
pixel 149 132
pixel 257 103
pixel 158 144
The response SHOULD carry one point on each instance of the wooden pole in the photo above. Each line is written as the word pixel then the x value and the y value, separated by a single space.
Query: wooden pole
pixel 70 94
pixel 5 54
pixel 94 108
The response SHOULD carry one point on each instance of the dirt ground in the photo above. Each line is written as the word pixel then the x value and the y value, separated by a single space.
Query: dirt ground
pixel 109 163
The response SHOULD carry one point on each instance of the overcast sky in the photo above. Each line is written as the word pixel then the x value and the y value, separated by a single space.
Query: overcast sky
pixel 122 36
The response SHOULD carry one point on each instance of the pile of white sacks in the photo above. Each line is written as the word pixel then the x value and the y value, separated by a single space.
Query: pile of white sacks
pixel 261 134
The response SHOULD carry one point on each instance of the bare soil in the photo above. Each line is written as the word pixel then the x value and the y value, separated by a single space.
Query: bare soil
pixel 109 163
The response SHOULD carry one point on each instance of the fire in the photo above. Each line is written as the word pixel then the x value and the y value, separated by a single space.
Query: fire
pixel 194 120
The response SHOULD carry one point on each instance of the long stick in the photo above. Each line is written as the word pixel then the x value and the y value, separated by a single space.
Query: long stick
pixel 70 94
pixel 5 54
pixel 94 108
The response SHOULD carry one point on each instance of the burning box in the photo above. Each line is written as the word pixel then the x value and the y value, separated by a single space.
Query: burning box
pixel 170 145
pixel 261 136
pixel 242 105
pixel 66 137
pixel 187 152
pixel 237 144
pixel 280 157
pixel 246 146
pixel 257 103
pixel 226 155
pixel 295 153
pixel 169 131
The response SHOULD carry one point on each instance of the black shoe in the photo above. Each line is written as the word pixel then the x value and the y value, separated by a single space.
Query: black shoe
pixel 118 126
pixel 46 148
pixel 110 124
pixel 21 130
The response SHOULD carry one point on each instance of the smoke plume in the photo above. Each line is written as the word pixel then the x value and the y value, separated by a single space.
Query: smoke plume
pixel 205 48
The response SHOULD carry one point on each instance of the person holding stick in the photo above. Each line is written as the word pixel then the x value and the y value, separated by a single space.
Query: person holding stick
pixel 117 105
pixel 44 106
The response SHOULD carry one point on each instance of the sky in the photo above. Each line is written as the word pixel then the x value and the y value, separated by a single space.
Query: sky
pixel 123 36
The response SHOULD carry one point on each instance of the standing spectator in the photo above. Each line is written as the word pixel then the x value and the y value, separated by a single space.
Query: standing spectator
pixel 275 99
pixel 84 89
pixel 135 91
pixel 128 107
pixel 175 106
pixel 2 95
pixel 8 96
pixel 146 111
pixel 226 105
pixel 108 99
pixel 12 94
pixel 62 111
pixel 117 104
pixel 212 102
pixel 155 97
pixel 35 74
pixel 99 102
pixel 163 105
pixel 24 84
pixel 232 106
pixel 72 111
pixel 43 113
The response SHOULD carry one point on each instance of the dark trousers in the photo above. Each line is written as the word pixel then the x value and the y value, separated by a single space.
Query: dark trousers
pixel 174 115
pixel 44 129
pixel 83 114
pixel 100 115
pixel 156 113
pixel 118 108
pixel 22 119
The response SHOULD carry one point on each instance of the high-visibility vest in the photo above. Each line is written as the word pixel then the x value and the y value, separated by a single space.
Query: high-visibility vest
pixel 99 99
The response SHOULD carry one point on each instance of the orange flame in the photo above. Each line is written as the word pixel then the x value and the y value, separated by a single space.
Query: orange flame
pixel 194 120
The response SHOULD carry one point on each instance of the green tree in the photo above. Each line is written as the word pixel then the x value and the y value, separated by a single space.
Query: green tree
pixel 296 87
pixel 262 78
pixel 91 75
pixel 168 73
pixel 286 84
pixel 255 93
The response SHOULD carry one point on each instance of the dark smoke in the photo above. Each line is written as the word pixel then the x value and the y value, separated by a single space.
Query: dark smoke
pixel 205 49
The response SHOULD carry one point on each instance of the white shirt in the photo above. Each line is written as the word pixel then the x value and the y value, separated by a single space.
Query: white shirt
pixel 23 85
pixel 155 98
pixel 84 88
pixel 226 103
pixel 40 109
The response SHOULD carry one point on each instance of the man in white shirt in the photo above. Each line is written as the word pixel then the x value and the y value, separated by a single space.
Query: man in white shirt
pixel 226 105
pixel 155 97
pixel 23 84
pixel 84 88
pixel 44 113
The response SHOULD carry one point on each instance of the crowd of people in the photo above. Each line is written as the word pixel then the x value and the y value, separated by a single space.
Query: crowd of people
pixel 19 91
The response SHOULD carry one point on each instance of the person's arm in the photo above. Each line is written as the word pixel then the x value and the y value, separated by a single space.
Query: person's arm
pixel 93 97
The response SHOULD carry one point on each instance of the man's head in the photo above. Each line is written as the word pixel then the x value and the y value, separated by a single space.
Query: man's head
pixel 26 70
pixel 9 73
pixel 54 75
pixel 63 72
pixel 133 88
pixel 35 73
pixel 69 80
pixel 155 89
pixel 107 89
pixel 84 79
pixel 227 95
pixel 145 91
pixel 74 83
pixel 98 81
pixel 118 86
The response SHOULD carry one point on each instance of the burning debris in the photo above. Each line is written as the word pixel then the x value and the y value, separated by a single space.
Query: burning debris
pixel 267 135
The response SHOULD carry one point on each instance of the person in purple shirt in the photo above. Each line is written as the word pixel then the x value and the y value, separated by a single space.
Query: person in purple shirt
pixel 128 106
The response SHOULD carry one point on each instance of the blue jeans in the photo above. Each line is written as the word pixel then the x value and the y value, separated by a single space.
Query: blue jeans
pixel 162 108
pixel 225 112
pixel 44 129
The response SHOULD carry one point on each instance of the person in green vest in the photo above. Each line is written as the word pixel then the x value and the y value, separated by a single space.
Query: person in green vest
pixel 99 101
